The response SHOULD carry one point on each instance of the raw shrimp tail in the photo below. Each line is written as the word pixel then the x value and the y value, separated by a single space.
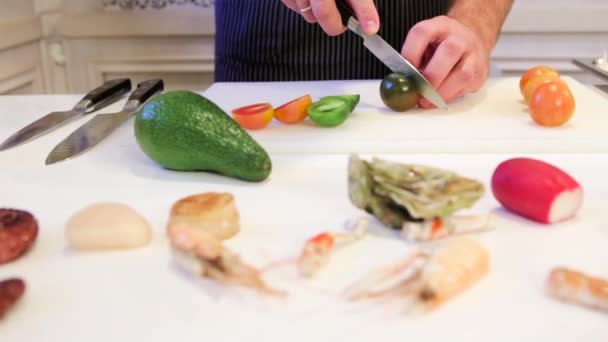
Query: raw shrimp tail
pixel 401 289
pixel 444 227
pixel 454 267
pixel 207 257
pixel 448 269
pixel 255 282
pixel 344 239
pixel 363 287
pixel 317 251
pixel 247 276
pixel 578 288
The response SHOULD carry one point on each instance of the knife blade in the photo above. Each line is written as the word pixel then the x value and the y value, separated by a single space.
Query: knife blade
pixel 389 56
pixel 99 98
pixel 102 125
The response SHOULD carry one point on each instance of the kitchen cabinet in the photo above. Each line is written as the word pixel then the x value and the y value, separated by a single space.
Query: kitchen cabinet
pixel 21 68
pixel 100 46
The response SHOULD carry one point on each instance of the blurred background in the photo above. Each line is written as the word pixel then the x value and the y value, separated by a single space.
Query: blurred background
pixel 72 46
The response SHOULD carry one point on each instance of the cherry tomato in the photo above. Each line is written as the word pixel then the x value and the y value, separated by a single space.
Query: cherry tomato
pixel 534 72
pixel 255 116
pixel 399 92
pixel 294 111
pixel 331 111
pixel 552 104
pixel 534 83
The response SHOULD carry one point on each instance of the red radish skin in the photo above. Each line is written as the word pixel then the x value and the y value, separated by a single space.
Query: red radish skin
pixel 536 190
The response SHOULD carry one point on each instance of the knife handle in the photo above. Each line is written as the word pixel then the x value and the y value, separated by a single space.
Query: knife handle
pixel 346 11
pixel 107 93
pixel 145 90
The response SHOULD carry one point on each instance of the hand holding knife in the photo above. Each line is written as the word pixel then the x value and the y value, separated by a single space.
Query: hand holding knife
pixel 95 130
pixel 389 56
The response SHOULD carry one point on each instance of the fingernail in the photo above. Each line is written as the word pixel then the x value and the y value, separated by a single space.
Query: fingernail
pixel 371 27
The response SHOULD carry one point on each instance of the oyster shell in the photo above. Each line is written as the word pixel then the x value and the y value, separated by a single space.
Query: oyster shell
pixel 399 193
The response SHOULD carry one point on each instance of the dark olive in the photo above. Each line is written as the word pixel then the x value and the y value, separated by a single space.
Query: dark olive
pixel 399 92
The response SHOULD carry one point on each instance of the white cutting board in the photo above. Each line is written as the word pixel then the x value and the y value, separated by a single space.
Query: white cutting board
pixel 493 120
pixel 140 295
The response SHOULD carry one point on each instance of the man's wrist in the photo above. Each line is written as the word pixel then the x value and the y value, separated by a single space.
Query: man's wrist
pixel 485 19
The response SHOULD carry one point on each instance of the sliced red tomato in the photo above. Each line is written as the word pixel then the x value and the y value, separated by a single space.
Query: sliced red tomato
pixel 255 116
pixel 294 111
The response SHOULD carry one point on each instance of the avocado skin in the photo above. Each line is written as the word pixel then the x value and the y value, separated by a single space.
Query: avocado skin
pixel 184 131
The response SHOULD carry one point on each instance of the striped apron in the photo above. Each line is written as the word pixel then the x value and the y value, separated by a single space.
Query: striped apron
pixel 263 40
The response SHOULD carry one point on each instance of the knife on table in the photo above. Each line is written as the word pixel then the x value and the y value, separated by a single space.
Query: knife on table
pixel 389 56
pixel 96 129
pixel 99 98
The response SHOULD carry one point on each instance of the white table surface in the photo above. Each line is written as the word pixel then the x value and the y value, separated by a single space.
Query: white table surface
pixel 141 295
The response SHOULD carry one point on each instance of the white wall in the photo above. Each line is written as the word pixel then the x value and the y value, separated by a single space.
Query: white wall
pixel 14 9
pixel 553 32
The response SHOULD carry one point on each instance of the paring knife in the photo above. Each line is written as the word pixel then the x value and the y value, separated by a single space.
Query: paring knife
pixel 99 98
pixel 387 54
pixel 96 129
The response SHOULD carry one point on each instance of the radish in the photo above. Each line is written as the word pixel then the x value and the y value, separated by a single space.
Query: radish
pixel 536 190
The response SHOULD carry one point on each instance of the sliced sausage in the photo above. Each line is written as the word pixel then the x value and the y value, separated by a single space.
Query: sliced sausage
pixel 11 291
pixel 18 232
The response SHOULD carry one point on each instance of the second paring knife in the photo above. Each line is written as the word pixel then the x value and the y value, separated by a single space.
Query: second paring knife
pixel 100 97
pixel 102 125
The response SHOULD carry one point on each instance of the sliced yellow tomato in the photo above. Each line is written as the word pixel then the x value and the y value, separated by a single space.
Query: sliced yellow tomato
pixel 255 116
pixel 294 111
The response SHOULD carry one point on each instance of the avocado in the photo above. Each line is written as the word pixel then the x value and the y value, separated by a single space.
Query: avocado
pixel 184 131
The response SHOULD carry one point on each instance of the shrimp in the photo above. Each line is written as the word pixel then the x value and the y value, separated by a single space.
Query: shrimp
pixel 578 288
pixel 444 273
pixel 440 228
pixel 204 255
pixel 317 251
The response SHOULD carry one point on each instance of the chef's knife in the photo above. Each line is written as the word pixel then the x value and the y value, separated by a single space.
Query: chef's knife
pixel 387 54
pixel 99 98
pixel 95 130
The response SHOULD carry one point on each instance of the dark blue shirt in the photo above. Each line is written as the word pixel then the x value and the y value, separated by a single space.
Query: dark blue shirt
pixel 263 40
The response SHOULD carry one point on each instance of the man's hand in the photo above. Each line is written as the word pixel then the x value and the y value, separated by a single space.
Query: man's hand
pixel 450 55
pixel 325 12
pixel 454 51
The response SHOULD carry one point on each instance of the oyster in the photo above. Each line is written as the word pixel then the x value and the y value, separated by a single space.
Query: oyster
pixel 397 194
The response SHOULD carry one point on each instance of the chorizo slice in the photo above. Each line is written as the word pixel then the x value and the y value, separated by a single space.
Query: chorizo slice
pixel 11 291
pixel 18 232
